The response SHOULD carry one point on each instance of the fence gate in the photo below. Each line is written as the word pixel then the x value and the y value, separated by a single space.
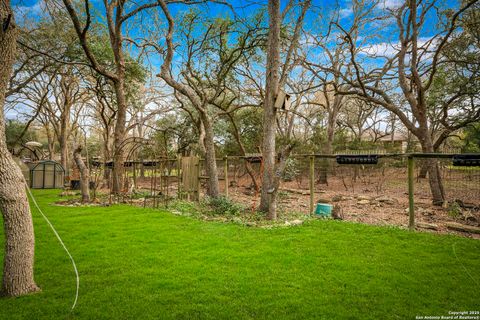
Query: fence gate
pixel 190 178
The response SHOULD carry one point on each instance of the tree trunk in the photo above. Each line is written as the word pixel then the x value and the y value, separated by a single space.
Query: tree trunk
pixel 106 157
pixel 64 154
pixel 119 135
pixel 248 165
pixel 424 167
pixel 434 175
pixel 50 142
pixel 201 137
pixel 84 174
pixel 423 171
pixel 268 195
pixel 17 220
pixel 64 132
pixel 210 161
pixel 328 147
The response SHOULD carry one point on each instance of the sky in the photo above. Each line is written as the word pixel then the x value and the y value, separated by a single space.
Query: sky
pixel 378 39
pixel 245 8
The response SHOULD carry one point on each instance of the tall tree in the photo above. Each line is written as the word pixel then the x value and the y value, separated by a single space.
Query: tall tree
pixel 209 64
pixel 17 221
pixel 275 80
pixel 116 18
pixel 413 68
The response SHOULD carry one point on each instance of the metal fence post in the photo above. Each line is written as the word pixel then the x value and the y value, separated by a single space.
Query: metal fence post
pixel 312 178
pixel 225 171
pixel 411 204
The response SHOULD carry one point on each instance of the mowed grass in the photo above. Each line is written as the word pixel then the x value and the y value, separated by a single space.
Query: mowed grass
pixel 137 263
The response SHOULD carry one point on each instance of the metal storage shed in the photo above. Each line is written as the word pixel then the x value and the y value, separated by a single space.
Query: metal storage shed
pixel 46 174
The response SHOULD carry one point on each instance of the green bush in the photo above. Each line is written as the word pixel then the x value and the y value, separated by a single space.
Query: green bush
pixel 184 207
pixel 454 210
pixel 291 170
pixel 223 206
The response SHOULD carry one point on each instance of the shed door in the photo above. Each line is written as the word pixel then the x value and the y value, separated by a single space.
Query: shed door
pixel 49 176
pixel 59 179
pixel 37 177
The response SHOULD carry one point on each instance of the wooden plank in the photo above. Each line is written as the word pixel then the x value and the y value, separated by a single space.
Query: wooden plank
pixel 190 176
pixel 463 228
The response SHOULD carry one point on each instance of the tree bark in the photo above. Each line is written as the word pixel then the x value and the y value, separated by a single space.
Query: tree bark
pixel 268 194
pixel 17 221
pixel 50 142
pixel 434 175
pixel 106 157
pixel 63 142
pixel 84 174
pixel 423 171
pixel 210 158
pixel 65 83
pixel 328 147
pixel 119 134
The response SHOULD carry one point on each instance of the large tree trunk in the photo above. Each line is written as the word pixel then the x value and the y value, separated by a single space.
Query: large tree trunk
pixel 84 174
pixel 119 135
pixel 17 220
pixel 434 175
pixel 424 167
pixel 210 160
pixel 64 154
pixel 268 195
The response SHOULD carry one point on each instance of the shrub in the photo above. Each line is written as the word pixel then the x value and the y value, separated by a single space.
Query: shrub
pixel 454 209
pixel 223 206
pixel 291 170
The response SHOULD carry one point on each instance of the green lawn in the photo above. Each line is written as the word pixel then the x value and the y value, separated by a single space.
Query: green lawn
pixel 139 263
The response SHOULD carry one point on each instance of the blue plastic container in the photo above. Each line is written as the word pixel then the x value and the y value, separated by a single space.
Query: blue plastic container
pixel 324 209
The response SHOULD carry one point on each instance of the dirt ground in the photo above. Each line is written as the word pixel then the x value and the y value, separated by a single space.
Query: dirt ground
pixel 381 198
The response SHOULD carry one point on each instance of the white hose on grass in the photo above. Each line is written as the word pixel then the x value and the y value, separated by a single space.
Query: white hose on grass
pixel 61 242
pixel 466 270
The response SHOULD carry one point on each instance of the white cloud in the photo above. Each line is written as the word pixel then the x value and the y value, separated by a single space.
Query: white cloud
pixel 345 12
pixel 389 49
pixel 307 40
pixel 392 4
pixel 381 49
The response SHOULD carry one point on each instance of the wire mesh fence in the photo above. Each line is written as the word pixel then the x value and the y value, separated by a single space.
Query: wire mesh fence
pixel 459 183
pixel 375 192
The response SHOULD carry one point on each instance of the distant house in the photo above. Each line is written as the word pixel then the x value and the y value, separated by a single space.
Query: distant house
pixel 398 142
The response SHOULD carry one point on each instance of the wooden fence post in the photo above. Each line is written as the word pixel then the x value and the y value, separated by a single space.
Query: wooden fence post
pixel 225 171
pixel 411 203
pixel 199 178
pixel 179 177
pixel 312 182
